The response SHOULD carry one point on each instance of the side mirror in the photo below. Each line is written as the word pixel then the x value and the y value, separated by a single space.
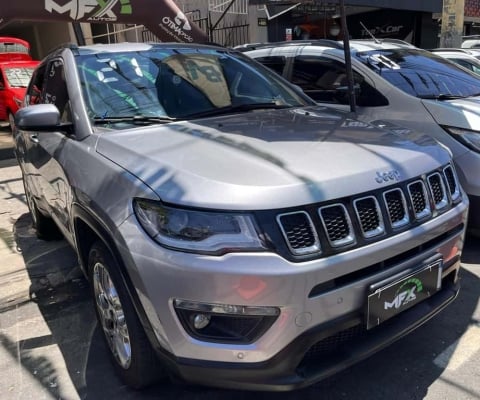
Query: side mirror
pixel 38 117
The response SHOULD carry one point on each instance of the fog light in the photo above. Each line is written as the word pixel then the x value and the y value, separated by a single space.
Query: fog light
pixel 200 321
pixel 224 323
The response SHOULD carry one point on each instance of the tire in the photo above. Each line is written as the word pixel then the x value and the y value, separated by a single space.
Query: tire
pixel 130 350
pixel 45 227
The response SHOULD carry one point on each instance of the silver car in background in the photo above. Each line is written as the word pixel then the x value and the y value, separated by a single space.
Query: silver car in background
pixel 233 232
pixel 397 85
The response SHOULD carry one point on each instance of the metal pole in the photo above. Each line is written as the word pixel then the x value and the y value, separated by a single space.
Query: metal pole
pixel 348 59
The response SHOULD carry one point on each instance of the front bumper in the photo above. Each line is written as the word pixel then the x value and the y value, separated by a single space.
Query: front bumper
pixel 316 354
pixel 312 314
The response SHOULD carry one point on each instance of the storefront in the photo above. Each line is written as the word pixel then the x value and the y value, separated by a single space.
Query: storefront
pixel 472 17
pixel 411 21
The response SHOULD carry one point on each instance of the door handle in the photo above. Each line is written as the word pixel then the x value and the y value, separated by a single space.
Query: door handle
pixel 34 138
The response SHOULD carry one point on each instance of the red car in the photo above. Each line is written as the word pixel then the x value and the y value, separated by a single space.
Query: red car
pixel 16 67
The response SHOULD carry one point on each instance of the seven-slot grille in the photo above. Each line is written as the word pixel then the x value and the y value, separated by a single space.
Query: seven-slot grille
pixel 371 216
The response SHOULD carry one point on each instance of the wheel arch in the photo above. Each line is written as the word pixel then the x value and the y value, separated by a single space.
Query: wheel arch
pixel 88 229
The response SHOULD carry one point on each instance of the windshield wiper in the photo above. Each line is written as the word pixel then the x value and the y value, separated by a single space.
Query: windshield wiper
pixel 237 108
pixel 440 96
pixel 135 119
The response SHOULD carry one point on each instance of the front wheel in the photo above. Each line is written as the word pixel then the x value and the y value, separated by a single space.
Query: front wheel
pixel 130 350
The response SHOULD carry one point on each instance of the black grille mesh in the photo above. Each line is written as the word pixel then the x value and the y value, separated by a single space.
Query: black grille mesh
pixel 418 197
pixel 336 223
pixel 298 230
pixel 368 214
pixel 395 206
pixel 436 187
pixel 452 183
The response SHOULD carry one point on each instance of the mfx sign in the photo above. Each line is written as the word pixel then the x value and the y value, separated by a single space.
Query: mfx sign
pixel 79 9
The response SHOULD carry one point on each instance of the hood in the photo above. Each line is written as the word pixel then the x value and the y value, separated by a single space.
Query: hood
pixel 268 159
pixel 460 113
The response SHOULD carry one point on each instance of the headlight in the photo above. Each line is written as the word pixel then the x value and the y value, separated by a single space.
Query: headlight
pixel 469 138
pixel 197 231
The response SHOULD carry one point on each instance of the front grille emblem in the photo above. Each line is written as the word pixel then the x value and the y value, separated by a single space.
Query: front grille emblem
pixel 387 176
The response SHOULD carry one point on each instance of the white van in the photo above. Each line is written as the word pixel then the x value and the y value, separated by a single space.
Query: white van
pixel 396 84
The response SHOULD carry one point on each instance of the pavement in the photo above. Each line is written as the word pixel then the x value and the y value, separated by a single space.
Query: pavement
pixel 6 142
pixel 52 348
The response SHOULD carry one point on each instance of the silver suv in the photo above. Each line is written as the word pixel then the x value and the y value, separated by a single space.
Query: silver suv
pixel 250 237
pixel 397 85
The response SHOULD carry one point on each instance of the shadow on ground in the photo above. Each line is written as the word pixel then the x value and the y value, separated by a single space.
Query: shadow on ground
pixel 404 371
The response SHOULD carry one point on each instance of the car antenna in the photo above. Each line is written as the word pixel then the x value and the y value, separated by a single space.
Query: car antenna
pixel 370 33
pixel 348 58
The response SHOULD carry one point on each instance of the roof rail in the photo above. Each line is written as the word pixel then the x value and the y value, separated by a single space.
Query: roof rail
pixel 314 42
pixel 386 40
pixel 467 51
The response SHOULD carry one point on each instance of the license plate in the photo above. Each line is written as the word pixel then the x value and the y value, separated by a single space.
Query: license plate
pixel 393 298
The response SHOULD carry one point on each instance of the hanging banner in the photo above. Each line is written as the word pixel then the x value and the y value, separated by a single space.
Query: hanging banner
pixel 162 17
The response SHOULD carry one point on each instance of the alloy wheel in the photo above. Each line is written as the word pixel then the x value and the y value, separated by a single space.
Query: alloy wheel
pixel 111 315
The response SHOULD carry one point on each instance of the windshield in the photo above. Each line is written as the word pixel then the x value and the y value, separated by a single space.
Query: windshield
pixel 421 73
pixel 18 76
pixel 164 84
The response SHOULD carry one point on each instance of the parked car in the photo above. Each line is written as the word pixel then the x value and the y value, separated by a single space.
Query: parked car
pixel 463 57
pixel 470 42
pixel 16 67
pixel 251 237
pixel 396 83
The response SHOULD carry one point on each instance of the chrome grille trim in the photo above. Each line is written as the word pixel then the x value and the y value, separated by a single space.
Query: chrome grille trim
pixel 369 216
pixel 437 190
pixel 349 236
pixel 292 237
pixel 393 208
pixel 417 196
pixel 452 182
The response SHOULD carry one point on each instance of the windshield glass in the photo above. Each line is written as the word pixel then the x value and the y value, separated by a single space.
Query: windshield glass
pixel 19 77
pixel 420 73
pixel 178 84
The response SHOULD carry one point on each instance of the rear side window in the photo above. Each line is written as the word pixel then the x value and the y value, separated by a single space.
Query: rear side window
pixel 325 81
pixel 467 64
pixel 275 63
pixel 421 73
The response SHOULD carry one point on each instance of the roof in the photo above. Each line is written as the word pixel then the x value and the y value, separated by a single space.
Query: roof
pixel 12 48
